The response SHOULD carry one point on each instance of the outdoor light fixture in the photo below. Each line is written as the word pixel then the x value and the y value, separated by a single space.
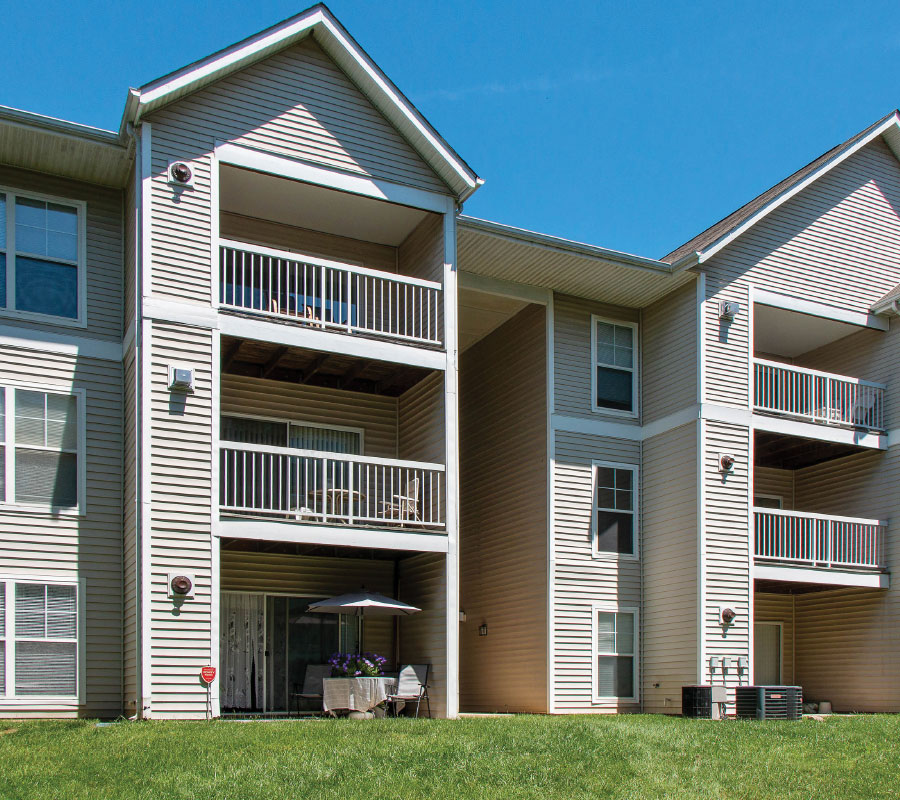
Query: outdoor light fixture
pixel 726 463
pixel 482 629
pixel 181 585
pixel 181 174
pixel 727 616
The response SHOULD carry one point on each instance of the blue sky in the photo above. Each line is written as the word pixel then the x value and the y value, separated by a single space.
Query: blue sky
pixel 631 125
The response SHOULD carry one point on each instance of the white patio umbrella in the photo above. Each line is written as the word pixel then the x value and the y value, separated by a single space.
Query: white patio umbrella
pixel 363 604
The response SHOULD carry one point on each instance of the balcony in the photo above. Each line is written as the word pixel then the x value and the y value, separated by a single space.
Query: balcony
pixel 809 395
pixel 314 487
pixel 329 295
pixel 826 544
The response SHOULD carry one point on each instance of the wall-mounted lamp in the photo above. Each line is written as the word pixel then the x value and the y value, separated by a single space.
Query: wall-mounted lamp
pixel 482 629
pixel 727 615
pixel 726 463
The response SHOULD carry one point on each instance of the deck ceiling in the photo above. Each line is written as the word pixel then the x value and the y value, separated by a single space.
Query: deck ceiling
pixel 299 365
pixel 794 452
pixel 789 587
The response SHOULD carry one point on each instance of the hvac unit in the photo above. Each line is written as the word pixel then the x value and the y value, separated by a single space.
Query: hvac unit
pixel 703 702
pixel 769 702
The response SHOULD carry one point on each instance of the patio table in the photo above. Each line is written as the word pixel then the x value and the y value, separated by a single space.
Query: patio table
pixel 355 694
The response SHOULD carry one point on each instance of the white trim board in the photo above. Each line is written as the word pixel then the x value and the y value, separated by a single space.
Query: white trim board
pixel 70 344
pixel 503 288
pixel 343 536
pixel 827 577
pixel 789 303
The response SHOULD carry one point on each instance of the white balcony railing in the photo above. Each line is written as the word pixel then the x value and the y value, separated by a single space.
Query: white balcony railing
pixel 315 487
pixel 822 397
pixel 818 540
pixel 328 294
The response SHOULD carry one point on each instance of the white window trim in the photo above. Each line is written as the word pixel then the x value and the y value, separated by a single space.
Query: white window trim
pixel 635 368
pixel 40 700
pixel 305 423
pixel 8 444
pixel 635 511
pixel 777 497
pixel 613 608
pixel 81 207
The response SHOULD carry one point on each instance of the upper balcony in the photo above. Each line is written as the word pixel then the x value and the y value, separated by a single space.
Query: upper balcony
pixel 334 270
pixel 329 295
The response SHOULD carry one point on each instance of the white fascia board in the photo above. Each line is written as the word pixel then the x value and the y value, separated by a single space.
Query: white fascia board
pixel 343 536
pixel 558 243
pixel 61 127
pixel 827 577
pixel 326 341
pixel 824 433
pixel 346 53
pixel 861 318
pixel 787 194
pixel 503 288
pixel 354 183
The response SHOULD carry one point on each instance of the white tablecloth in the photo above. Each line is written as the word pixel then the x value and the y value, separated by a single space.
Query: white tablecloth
pixel 355 694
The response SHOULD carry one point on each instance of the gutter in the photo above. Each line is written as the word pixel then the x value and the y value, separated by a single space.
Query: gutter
pixel 577 248
pixel 62 127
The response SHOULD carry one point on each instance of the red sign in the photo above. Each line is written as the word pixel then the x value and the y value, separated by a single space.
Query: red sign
pixel 208 674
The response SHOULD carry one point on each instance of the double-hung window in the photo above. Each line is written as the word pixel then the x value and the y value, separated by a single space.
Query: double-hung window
pixel 615 508
pixel 39 636
pixel 615 646
pixel 614 380
pixel 41 256
pixel 40 443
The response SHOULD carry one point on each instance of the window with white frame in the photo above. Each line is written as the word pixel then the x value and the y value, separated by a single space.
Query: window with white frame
pixel 615 637
pixel 615 372
pixel 39 444
pixel 38 639
pixel 615 508
pixel 40 255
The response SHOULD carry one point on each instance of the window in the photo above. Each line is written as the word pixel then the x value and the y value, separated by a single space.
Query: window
pixel 40 256
pixel 38 639
pixel 615 376
pixel 614 508
pixel 615 634
pixel 768 501
pixel 39 448
pixel 299 435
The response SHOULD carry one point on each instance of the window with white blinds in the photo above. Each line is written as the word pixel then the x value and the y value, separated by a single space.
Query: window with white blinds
pixel 40 443
pixel 331 440
pixel 615 638
pixel 300 435
pixel 39 642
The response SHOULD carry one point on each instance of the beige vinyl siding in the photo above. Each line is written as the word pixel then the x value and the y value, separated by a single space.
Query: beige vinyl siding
pixel 181 478
pixel 769 607
pixel 422 581
pixel 669 553
pixel 104 248
pixel 837 242
pixel 375 414
pixel 296 104
pixel 572 353
pixel 130 253
pixel 130 511
pixel 421 255
pixel 503 518
pixel 581 578
pixel 309 243
pixel 420 421
pixel 726 560
pixel 315 577
pixel 70 547
pixel 669 339
pixel 778 482
pixel 847 645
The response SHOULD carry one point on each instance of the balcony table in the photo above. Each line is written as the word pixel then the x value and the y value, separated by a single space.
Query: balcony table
pixel 355 694
pixel 334 498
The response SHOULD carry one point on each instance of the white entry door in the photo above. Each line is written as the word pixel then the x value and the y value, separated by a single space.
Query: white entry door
pixel 767 653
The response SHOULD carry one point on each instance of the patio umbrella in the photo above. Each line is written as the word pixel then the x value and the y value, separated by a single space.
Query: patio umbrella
pixel 363 604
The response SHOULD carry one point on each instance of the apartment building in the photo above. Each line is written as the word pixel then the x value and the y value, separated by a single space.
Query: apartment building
pixel 250 340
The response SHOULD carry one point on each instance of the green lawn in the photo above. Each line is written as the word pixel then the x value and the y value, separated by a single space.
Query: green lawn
pixel 505 757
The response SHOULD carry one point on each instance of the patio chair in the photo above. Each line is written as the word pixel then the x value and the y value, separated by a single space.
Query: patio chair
pixel 412 687
pixel 863 412
pixel 312 683
pixel 404 507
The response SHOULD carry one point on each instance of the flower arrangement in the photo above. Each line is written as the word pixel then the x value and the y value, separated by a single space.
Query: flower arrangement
pixel 357 665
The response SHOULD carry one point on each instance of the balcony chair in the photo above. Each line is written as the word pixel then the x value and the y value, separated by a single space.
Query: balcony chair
pixel 404 507
pixel 412 687
pixel 312 684
pixel 863 411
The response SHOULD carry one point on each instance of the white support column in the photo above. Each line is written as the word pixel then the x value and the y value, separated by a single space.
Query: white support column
pixel 215 542
pixel 451 430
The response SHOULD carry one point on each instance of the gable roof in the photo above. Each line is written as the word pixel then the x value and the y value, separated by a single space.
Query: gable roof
pixel 333 38
pixel 710 241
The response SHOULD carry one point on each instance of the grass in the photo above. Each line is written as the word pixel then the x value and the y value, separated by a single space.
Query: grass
pixel 506 757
